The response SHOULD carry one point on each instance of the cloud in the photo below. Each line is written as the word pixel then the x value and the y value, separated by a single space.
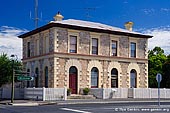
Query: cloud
pixel 9 42
pixel 148 11
pixel 161 38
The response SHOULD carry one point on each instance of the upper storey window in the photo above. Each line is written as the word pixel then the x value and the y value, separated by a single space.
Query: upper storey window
pixel 114 48
pixel 133 50
pixel 28 49
pixel 73 44
pixel 94 46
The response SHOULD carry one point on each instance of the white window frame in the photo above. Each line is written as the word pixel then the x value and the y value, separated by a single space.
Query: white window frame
pixel 114 38
pixel 96 36
pixel 133 40
pixel 73 33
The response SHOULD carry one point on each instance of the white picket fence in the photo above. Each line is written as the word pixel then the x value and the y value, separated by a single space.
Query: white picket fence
pixel 44 94
pixel 150 93
pixel 108 93
pixel 52 94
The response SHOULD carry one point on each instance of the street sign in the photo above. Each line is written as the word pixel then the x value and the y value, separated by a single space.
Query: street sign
pixel 158 77
pixel 26 78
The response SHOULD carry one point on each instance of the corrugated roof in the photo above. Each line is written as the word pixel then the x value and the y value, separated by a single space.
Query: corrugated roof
pixel 94 25
pixel 86 25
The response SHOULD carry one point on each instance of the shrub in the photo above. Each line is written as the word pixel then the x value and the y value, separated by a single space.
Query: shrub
pixel 69 90
pixel 86 91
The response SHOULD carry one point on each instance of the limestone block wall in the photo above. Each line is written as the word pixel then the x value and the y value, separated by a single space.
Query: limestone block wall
pixel 40 64
pixel 84 42
pixel 142 48
pixel 84 78
pixel 105 45
pixel 124 46
pixel 62 37
pixel 24 48
pixel 124 79
pixel 51 40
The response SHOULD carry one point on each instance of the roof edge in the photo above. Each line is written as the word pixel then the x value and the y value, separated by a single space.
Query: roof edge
pixel 50 25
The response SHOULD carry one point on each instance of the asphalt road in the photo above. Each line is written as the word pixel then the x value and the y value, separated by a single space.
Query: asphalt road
pixel 90 108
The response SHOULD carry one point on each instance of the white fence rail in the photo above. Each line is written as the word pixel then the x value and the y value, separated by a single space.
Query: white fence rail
pixel 6 93
pixel 55 94
pixel 52 94
pixel 106 93
pixel 150 93
pixel 33 93
pixel 45 94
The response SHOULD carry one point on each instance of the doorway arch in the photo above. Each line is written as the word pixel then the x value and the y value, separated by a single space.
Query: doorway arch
pixel 73 79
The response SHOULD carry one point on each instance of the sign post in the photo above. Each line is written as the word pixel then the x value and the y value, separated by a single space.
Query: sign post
pixel 158 78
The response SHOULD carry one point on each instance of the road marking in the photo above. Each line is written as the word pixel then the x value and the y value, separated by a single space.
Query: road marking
pixel 78 111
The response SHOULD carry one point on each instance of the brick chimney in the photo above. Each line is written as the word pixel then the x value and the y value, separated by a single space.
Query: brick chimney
pixel 58 17
pixel 129 25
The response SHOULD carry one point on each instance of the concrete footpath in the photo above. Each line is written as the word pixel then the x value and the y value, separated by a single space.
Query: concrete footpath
pixel 78 101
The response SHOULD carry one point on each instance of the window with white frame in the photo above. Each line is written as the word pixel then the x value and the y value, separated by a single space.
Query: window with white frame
pixel 114 47
pixel 133 50
pixel 95 46
pixel 94 77
pixel 73 44
pixel 133 79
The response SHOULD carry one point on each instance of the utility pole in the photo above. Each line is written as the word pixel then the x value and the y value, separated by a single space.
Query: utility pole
pixel 36 14
pixel 13 74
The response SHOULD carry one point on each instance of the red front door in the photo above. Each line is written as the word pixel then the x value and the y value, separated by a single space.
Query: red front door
pixel 73 83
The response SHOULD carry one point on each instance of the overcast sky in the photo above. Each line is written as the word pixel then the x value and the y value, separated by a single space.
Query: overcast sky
pixel 149 17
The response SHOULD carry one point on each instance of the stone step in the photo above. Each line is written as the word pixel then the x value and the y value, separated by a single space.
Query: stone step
pixel 73 96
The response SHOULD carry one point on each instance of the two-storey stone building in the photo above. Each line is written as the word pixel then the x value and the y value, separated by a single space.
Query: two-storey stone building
pixel 78 54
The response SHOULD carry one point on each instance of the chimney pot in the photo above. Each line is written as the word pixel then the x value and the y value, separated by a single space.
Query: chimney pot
pixel 129 25
pixel 58 17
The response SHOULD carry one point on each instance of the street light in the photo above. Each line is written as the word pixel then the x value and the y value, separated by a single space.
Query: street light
pixel 13 74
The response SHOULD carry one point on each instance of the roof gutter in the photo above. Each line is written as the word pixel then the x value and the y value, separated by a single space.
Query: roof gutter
pixel 50 25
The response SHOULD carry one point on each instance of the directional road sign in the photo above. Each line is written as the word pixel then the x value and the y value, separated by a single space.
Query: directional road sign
pixel 26 78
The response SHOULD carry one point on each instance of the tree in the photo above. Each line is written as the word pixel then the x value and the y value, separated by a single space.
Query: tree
pixel 156 60
pixel 6 69
pixel 166 73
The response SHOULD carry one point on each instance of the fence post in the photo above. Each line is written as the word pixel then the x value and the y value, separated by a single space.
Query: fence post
pixel 44 93
pixel 103 92
pixel 65 93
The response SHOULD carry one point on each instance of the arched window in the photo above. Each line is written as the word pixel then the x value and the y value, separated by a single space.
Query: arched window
pixel 114 78
pixel 94 77
pixel 73 70
pixel 46 77
pixel 28 82
pixel 133 78
pixel 36 77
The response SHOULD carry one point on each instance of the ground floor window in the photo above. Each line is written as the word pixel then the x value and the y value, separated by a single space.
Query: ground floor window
pixel 94 77
pixel 133 78
pixel 114 78
pixel 46 77
pixel 36 77
pixel 28 74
